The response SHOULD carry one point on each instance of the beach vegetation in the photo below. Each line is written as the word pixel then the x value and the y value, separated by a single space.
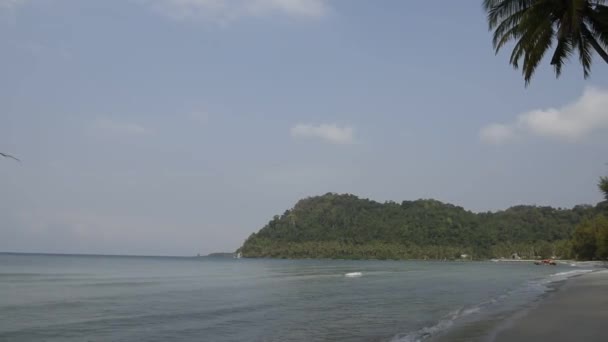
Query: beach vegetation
pixel 590 239
pixel 603 185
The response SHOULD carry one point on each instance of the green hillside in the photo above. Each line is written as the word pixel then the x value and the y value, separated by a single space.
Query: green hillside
pixel 345 226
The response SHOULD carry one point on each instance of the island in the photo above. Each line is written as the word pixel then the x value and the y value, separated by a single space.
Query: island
pixel 220 255
pixel 344 226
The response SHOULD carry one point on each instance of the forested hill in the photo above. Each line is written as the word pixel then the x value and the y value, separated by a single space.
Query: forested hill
pixel 345 226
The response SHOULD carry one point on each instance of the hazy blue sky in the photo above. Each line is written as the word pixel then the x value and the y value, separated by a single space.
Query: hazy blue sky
pixel 182 126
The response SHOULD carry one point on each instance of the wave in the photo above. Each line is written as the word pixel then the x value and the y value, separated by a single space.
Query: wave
pixel 538 287
pixel 118 284
pixel 442 325
pixel 134 321
pixel 29 274
pixel 353 274
pixel 568 274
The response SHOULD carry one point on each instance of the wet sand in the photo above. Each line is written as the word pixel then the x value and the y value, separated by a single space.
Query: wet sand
pixel 577 311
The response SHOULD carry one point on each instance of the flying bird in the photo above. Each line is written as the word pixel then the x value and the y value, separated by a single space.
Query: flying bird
pixel 9 156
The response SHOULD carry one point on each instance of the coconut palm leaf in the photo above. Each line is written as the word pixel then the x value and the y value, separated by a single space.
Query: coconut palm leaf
pixel 8 156
pixel 535 26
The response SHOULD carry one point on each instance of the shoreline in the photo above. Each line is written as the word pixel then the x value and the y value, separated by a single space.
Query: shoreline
pixel 576 310
pixel 572 262
pixel 573 308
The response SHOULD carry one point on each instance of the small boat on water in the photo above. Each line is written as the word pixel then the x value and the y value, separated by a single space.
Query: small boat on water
pixel 550 262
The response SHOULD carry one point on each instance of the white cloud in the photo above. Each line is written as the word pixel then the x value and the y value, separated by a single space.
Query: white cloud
pixel 496 133
pixel 328 132
pixel 224 11
pixel 570 123
pixel 113 128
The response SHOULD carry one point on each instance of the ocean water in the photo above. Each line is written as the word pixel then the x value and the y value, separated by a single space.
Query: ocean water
pixel 98 298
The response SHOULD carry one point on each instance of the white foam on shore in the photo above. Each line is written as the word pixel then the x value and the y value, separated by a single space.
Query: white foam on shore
pixel 447 322
pixel 353 274
pixel 567 274
pixel 538 286
pixel 543 284
pixel 586 264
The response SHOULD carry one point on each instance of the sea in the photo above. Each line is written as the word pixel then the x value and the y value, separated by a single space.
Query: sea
pixel 80 298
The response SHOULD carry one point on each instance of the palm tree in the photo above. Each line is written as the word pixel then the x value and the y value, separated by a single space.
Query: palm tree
pixel 535 25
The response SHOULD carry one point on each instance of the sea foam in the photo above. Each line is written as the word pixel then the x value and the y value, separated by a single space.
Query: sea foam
pixel 353 274
pixel 450 319
pixel 443 324
pixel 568 274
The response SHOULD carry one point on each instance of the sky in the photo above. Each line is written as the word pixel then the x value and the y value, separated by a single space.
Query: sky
pixel 177 127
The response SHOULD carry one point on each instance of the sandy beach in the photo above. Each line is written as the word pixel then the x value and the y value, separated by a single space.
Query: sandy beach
pixel 577 311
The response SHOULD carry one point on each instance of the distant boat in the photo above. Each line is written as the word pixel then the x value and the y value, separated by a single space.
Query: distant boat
pixel 238 255
pixel 546 262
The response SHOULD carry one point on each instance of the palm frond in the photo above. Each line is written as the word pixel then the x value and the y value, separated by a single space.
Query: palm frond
pixel 590 38
pixel 499 9
pixel 584 53
pixel 533 25
pixel 574 13
pixel 596 20
pixel 562 52
pixel 534 34
pixel 533 56
pixel 512 34
pixel 507 29
pixel 8 156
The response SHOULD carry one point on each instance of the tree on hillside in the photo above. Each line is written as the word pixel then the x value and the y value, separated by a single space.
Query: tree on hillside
pixel 602 239
pixel 573 26
pixel 603 185
pixel 347 227
pixel 583 241
pixel 590 239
